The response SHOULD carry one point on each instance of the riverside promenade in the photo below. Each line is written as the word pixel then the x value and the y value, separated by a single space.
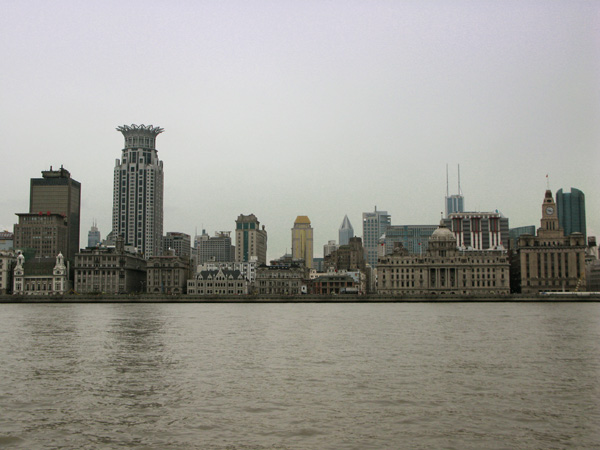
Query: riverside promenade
pixel 346 298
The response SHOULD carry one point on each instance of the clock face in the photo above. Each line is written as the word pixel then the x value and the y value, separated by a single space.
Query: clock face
pixel 549 210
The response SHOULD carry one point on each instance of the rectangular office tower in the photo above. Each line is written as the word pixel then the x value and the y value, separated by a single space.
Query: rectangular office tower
pixel 374 225
pixel 570 207
pixel 251 240
pixel 55 198
pixel 138 190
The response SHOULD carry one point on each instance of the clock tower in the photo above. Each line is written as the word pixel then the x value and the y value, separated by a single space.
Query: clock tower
pixel 549 223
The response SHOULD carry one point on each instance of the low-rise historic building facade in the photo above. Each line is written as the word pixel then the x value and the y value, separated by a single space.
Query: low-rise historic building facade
pixel 167 274
pixel 444 269
pixel 333 284
pixel 218 282
pixel 281 280
pixel 42 277
pixel 551 261
pixel 110 270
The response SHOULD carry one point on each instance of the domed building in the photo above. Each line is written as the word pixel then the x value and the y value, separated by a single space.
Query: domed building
pixel 443 269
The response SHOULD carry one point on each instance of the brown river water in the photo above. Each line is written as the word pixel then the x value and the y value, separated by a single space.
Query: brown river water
pixel 300 376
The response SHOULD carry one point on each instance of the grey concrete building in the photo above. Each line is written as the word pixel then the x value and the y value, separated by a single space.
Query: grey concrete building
pixel 180 243
pixel 42 235
pixel 138 190
pixel 217 248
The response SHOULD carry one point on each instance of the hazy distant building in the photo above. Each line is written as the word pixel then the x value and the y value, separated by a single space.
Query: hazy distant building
pixel 6 240
pixel 571 211
pixel 331 246
pixel 346 231
pixel 414 238
pixel 251 241
pixel 479 230
pixel 215 248
pixel 94 236
pixel 374 226
pixel 180 243
pixel 515 233
pixel 302 241
pixel 56 196
pixel 551 261
pixel 138 190
pixel 454 203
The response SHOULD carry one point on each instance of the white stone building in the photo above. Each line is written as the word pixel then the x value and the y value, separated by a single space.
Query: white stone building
pixel 40 278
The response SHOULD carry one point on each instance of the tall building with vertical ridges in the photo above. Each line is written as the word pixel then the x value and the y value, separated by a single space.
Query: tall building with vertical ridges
pixel 56 193
pixel 94 237
pixel 346 231
pixel 138 190
pixel 479 230
pixel 571 211
pixel 251 240
pixel 302 241
pixel 374 226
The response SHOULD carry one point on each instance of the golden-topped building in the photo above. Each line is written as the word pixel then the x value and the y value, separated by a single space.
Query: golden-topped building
pixel 302 241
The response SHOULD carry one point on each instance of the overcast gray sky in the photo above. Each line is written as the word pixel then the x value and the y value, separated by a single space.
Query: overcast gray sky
pixel 318 108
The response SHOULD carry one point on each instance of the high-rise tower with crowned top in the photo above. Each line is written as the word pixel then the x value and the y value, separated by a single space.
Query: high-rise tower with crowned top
pixel 138 190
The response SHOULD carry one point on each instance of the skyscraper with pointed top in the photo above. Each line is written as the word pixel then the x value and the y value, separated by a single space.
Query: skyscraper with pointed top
pixel 138 190
pixel 455 203
pixel 346 231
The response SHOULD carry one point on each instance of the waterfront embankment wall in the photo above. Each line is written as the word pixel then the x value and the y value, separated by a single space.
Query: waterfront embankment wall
pixel 153 298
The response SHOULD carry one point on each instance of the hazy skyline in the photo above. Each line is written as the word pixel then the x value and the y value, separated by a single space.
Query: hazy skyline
pixel 308 108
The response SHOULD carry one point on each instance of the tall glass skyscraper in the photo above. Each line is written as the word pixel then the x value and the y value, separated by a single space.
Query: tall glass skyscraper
pixel 138 190
pixel 374 226
pixel 570 207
